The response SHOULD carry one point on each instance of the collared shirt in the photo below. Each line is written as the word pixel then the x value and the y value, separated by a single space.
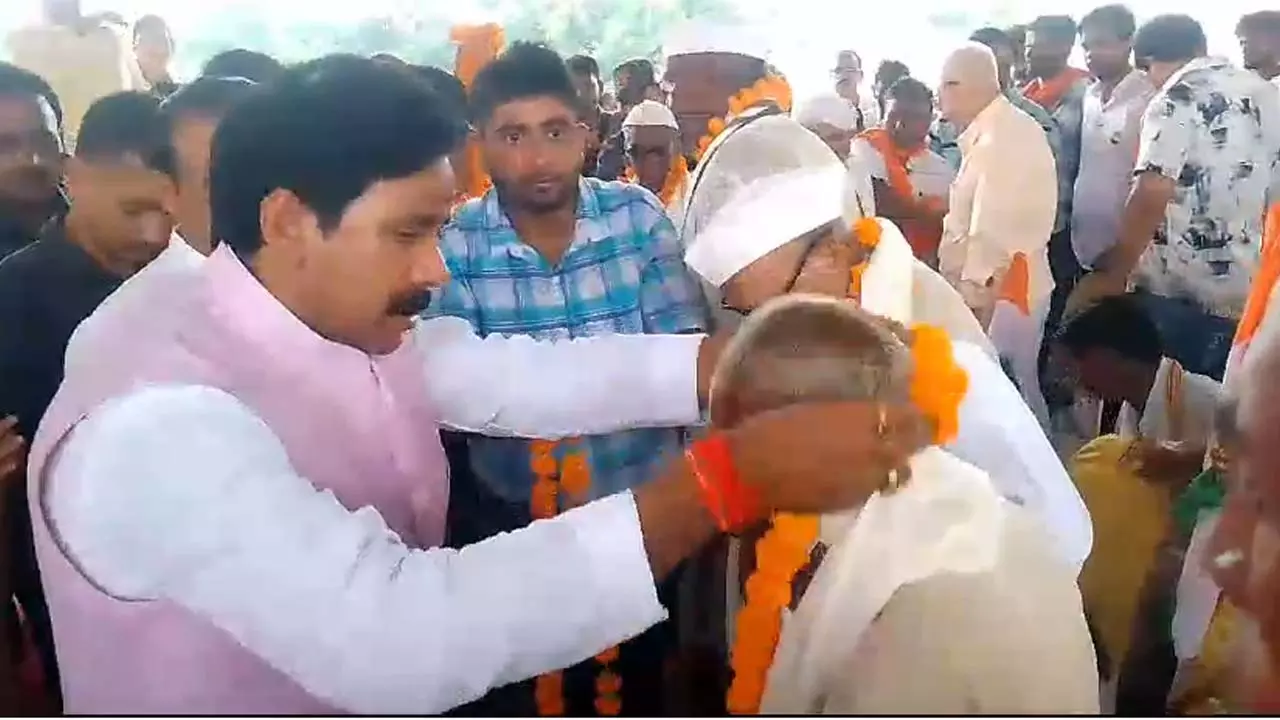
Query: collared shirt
pixel 1196 400
pixel 1068 114
pixel 1215 130
pixel 622 273
pixel 1108 148
pixel 945 141
pixel 514 606
pixel 1000 208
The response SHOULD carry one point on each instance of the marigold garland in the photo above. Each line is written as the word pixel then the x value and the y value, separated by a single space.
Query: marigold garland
pixel 780 554
pixel 672 185
pixel 572 475
pixel 938 385
pixel 768 89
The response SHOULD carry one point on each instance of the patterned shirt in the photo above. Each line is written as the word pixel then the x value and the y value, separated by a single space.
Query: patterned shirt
pixel 945 141
pixel 623 273
pixel 1215 129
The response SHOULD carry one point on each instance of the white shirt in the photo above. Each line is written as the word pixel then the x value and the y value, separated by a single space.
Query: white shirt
pixel 1003 202
pixel 182 493
pixel 1108 149
pixel 1199 400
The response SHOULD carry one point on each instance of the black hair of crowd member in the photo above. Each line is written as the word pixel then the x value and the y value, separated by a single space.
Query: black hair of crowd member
pixel 1265 21
pixel 583 65
pixel 1116 19
pixel 1169 38
pixel 240 63
pixel 1118 323
pixel 125 126
pixel 445 84
pixel 17 82
pixel 208 98
pixel 909 89
pixel 1059 28
pixel 525 70
pixel 326 131
pixel 992 37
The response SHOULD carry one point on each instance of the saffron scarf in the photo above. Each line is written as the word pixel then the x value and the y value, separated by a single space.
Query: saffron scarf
pixel 1048 93
pixel 922 236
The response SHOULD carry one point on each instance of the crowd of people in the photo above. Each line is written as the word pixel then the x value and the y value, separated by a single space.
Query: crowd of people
pixel 363 386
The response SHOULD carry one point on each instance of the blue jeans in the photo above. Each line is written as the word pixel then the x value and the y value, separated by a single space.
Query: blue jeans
pixel 1198 340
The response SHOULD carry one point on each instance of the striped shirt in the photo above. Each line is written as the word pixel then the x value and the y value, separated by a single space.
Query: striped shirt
pixel 622 273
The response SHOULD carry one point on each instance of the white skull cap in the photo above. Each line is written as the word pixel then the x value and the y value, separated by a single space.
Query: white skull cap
pixel 768 183
pixel 826 109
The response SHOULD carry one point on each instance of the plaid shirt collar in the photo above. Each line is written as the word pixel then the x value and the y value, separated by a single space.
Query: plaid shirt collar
pixel 592 223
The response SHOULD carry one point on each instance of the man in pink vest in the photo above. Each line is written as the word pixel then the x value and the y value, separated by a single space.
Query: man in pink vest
pixel 238 511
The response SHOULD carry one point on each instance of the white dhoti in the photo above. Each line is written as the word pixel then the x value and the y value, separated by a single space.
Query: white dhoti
pixel 1017 338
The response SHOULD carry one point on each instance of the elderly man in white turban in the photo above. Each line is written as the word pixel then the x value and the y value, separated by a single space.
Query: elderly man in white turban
pixel 987 581
pixel 773 199
pixel 831 118
pixel 995 237
pixel 651 140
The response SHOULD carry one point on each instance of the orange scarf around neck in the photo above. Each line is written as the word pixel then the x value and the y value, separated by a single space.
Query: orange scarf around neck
pixel 922 235
pixel 1048 93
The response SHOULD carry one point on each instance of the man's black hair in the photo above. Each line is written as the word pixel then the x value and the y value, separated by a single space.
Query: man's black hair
pixel 909 89
pixel 1264 21
pixel 896 67
pixel 325 130
pixel 1116 19
pixel 206 98
pixel 209 97
pixel 17 82
pixel 992 37
pixel 525 70
pixel 1117 323
pixel 1169 38
pixel 447 86
pixel 638 70
pixel 583 65
pixel 241 63
pixel 125 126
pixel 1056 28
pixel 154 20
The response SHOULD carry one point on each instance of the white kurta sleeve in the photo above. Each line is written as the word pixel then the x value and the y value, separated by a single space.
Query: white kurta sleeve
pixel 182 493
pixel 515 385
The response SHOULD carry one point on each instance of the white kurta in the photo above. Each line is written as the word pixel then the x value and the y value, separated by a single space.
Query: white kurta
pixel 1199 401
pixel 182 493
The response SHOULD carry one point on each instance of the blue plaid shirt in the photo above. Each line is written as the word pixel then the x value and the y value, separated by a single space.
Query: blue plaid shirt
pixel 623 273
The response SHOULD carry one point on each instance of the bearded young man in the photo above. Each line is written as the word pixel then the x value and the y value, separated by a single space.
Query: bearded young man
pixel 281 388
pixel 551 254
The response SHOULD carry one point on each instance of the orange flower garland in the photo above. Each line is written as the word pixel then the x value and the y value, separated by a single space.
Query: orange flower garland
pixel 677 174
pixel 770 88
pixel 780 554
pixel 938 385
pixel 571 475
pixel 477 45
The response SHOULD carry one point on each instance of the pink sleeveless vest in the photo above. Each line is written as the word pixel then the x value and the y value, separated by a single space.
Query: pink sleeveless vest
pixel 361 427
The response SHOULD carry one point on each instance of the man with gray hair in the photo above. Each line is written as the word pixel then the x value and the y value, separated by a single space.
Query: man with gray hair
pixel 995 237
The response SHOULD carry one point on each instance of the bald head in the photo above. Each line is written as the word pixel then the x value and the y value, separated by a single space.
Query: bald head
pixel 970 81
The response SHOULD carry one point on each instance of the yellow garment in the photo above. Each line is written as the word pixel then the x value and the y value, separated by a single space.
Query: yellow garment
pixel 1130 520
pixel 1202 685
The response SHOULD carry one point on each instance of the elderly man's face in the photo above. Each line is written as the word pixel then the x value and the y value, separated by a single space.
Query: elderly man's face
pixel 817 262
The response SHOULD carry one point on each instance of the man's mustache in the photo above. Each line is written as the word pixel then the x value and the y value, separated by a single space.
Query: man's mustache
pixel 410 305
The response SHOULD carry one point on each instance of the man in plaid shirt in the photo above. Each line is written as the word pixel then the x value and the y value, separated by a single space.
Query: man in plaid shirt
pixel 554 255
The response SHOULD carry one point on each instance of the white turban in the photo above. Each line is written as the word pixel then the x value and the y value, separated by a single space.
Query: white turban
pixel 695 37
pixel 769 182
pixel 826 109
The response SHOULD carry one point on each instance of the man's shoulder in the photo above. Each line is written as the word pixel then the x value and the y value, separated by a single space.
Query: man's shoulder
pixel 24 266
pixel 616 196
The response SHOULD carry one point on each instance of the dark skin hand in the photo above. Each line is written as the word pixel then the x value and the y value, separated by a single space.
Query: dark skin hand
pixel 795 463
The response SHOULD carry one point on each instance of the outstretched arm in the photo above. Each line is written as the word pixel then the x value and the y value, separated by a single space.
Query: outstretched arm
pixel 515 385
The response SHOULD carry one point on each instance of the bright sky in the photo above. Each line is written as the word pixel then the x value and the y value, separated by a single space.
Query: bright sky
pixel 808 32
